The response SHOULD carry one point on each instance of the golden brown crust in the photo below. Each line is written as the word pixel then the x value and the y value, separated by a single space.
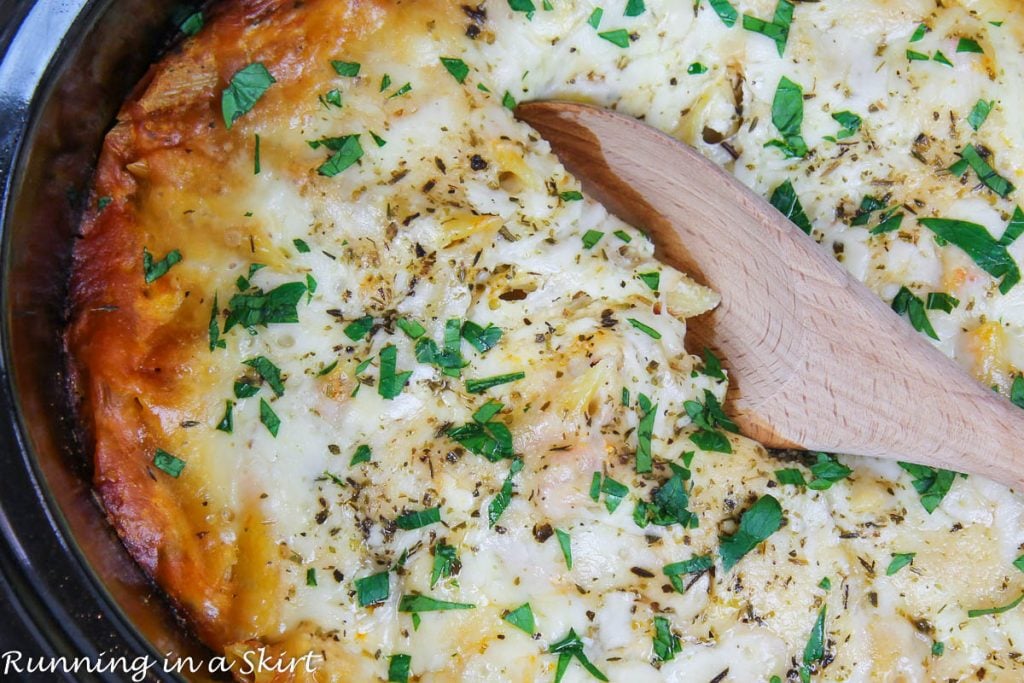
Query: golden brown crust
pixel 132 346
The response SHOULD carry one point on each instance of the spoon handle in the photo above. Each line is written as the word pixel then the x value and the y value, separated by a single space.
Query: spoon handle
pixel 817 360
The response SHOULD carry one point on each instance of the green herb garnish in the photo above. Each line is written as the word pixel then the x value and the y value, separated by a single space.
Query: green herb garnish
pixel 785 199
pixel 348 153
pixel 478 386
pixel 362 454
pixel 269 372
pixel 245 89
pixel 418 519
pixel 391 383
pixel 398 668
pixel 759 522
pixel 165 462
pixel 345 68
pixel 153 270
pixel 456 67
pixel 778 29
pixel 522 618
pixel 413 603
pixel 567 649
pixel 788 117
pixel 984 250
pixel 373 589
pixel 269 418
pixel 899 561
pixel 565 543
pixel 504 496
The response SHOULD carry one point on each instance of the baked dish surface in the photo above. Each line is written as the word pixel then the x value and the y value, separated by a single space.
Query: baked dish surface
pixel 365 375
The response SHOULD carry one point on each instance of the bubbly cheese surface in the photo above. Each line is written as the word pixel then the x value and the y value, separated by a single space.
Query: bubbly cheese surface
pixel 264 470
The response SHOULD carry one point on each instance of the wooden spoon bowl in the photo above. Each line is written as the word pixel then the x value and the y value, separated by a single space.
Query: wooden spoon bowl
pixel 815 359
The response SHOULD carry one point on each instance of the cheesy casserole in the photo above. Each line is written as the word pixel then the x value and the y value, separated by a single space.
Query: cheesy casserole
pixel 367 376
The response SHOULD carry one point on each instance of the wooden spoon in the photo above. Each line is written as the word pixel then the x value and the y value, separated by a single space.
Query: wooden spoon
pixel 815 359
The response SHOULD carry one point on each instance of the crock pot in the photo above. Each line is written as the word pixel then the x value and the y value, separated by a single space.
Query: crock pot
pixel 69 587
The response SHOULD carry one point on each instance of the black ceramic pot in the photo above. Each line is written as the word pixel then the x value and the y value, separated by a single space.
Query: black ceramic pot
pixel 70 588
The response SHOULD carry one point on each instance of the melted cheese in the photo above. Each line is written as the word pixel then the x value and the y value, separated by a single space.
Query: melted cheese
pixel 458 216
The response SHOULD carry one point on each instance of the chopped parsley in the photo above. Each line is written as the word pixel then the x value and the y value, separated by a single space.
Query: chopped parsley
pixel 450 359
pixel 214 329
pixel 788 118
pixel 227 423
pixel 980 113
pixel 418 519
pixel 568 648
pixel 456 67
pixel 595 17
pixel 492 440
pixel 646 329
pixel 931 483
pixel 331 98
pixel 850 123
pixel 989 254
pixel 571 196
pixel 269 372
pixel 269 418
pixel 522 618
pixel 668 504
pixel 244 388
pixel 986 174
pixel 725 11
pixel 349 152
pixel 1019 563
pixel 785 199
pixel 565 543
pixel 899 561
pixel 487 411
pixel 257 307
pixel 591 238
pixel 665 643
pixel 938 648
pixel 644 435
pixel 415 603
pixel 378 140
pixel 941 58
pixel 359 328
pixel 504 496
pixel 696 69
pixel 362 454
pixel 311 576
pixel 919 32
pixel 446 563
pixel 479 386
pixel 940 301
pixel 1014 229
pixel 635 8
pixel 915 56
pixel 300 245
pixel 890 223
pixel 345 68
pixel 326 370
pixel 698 564
pixel 410 327
pixel 652 280
pixel 712 366
pixel 167 463
pixel 245 89
pixel 619 37
pixel 153 270
pixel 778 29
pixel 995 610
pixel 708 416
pixel 623 235
pixel 391 382
pixel 814 651
pixel 969 45
pixel 483 339
pixel 508 101
pixel 373 589
pixel 759 522
pixel 405 89
pixel 189 20
pixel 525 6
pixel 906 303
pixel 398 668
